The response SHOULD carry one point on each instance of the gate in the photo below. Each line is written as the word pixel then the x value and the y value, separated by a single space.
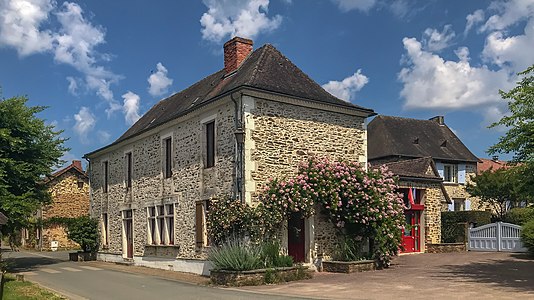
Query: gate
pixel 496 237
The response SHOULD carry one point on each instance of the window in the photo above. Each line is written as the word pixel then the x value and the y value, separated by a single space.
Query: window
pixel 459 204
pixel 210 144
pixel 168 158
pixel 161 224
pixel 201 236
pixel 129 170
pixel 104 230
pixel 151 225
pixel 450 173
pixel 106 175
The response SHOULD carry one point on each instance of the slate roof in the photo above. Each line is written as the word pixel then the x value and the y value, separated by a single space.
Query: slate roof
pixel 404 137
pixel 415 168
pixel 265 69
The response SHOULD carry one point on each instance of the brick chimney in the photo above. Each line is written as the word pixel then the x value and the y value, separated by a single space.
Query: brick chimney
pixel 77 164
pixel 438 119
pixel 236 51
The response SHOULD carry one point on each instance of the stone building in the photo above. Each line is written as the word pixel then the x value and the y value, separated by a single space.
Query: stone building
pixel 425 198
pixel 69 189
pixel 257 118
pixel 396 139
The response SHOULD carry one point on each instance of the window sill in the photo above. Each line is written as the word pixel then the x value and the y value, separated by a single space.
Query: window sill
pixel 162 246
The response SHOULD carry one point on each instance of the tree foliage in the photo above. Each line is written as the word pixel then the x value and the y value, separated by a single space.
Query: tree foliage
pixel 519 138
pixel 29 150
pixel 500 189
pixel 84 231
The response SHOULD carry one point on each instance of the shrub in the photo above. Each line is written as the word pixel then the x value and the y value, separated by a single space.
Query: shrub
pixel 453 224
pixel 271 257
pixel 519 216
pixel 84 231
pixel 527 236
pixel 236 255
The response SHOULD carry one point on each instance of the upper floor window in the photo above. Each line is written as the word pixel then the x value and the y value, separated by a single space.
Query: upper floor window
pixel 168 158
pixel 106 176
pixel 129 169
pixel 450 173
pixel 210 144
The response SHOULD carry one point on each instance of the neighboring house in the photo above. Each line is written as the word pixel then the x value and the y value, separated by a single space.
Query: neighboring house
pixel 411 147
pixel 69 189
pixel 424 196
pixel 257 118
pixel 396 138
pixel 494 163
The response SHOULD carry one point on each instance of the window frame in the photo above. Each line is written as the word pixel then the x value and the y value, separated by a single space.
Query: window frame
pixel 129 169
pixel 210 143
pixel 201 234
pixel 105 185
pixel 160 222
pixel 167 165
pixel 105 230
pixel 151 220
pixel 452 175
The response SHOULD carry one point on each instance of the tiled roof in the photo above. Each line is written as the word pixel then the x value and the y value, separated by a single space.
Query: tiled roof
pixel 404 137
pixel 265 69
pixel 486 164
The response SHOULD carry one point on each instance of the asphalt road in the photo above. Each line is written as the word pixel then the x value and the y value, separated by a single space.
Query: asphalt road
pixel 82 281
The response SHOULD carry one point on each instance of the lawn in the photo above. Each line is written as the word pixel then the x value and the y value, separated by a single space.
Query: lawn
pixel 24 290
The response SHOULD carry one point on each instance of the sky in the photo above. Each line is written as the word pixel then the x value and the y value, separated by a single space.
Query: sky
pixel 99 65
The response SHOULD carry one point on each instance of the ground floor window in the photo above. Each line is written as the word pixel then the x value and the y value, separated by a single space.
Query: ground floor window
pixel 459 204
pixel 160 224
pixel 105 240
pixel 201 236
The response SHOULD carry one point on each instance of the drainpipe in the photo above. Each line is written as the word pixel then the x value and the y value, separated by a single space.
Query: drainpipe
pixel 239 134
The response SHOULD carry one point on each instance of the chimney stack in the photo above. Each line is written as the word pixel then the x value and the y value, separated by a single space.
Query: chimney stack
pixel 438 119
pixel 78 164
pixel 236 51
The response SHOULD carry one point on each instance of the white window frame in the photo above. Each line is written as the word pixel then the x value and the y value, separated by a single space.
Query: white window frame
pixel 160 224
pixel 163 137
pixel 453 173
pixel 105 229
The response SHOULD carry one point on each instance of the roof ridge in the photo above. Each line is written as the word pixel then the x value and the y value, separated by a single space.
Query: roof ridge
pixel 259 62
pixel 407 118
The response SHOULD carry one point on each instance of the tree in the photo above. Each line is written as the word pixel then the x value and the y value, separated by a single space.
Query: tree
pixel 84 231
pixel 519 139
pixel 500 189
pixel 29 150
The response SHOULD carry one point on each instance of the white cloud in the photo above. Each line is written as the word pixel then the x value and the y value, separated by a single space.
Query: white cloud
pixel 85 122
pixel 131 107
pixel 20 22
pixel 430 82
pixel 508 13
pixel 516 51
pixel 103 136
pixel 159 82
pixel 362 5
pixel 245 18
pixel 347 88
pixel 73 43
pixel 473 19
pixel 435 41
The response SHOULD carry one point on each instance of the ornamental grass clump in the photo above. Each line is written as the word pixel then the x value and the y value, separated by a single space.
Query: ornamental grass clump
pixel 236 255
pixel 271 257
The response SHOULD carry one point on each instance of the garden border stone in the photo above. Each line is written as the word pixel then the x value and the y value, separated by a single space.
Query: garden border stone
pixel 349 266
pixel 259 276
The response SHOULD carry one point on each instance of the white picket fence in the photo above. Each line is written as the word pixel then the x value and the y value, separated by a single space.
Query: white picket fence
pixel 496 237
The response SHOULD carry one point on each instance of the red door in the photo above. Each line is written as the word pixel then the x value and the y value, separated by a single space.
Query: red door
pixel 411 232
pixel 295 237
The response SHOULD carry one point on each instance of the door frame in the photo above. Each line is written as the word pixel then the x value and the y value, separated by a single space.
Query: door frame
pixel 127 237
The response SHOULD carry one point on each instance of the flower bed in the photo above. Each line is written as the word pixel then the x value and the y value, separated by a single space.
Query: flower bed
pixel 260 276
pixel 349 266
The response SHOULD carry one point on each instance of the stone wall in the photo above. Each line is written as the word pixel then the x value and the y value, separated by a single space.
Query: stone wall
pixel 190 181
pixel 281 135
pixel 458 190
pixel 68 201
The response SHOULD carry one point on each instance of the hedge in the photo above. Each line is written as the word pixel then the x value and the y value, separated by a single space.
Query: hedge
pixel 519 215
pixel 453 224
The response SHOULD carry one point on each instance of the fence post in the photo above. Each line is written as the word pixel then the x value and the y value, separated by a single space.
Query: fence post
pixel 498 234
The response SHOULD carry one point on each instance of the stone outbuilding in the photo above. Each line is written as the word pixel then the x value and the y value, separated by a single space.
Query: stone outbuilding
pixel 425 198
pixel 226 135
pixel 69 190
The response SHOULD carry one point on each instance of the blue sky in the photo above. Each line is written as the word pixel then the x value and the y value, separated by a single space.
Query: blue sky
pixel 99 65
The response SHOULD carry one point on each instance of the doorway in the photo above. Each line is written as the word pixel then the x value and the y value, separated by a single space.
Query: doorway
pixel 296 237
pixel 411 234
pixel 127 217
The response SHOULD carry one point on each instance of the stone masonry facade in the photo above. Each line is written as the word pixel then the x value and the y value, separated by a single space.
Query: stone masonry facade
pixel 280 133
pixel 458 190
pixel 70 198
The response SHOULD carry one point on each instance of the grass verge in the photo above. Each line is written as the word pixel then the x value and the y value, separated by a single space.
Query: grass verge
pixel 24 290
